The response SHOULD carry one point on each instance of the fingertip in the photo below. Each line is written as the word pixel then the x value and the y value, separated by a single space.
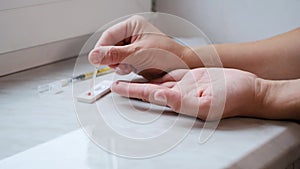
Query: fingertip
pixel 115 85
pixel 118 86
pixel 94 57
pixel 162 79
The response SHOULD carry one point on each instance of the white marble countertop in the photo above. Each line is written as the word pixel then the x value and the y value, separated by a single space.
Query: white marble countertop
pixel 42 131
pixel 28 118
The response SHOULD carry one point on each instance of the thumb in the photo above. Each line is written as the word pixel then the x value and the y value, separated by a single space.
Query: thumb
pixel 109 55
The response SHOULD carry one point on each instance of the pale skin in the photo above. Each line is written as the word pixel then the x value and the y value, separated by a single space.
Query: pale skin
pixel 261 78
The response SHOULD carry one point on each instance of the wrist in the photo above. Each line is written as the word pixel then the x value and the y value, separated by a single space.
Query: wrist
pixel 278 99
pixel 261 90
pixel 190 56
pixel 202 56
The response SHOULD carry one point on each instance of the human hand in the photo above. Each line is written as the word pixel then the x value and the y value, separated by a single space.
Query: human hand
pixel 192 92
pixel 136 45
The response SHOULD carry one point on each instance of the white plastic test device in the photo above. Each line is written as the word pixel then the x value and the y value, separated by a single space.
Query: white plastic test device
pixel 100 90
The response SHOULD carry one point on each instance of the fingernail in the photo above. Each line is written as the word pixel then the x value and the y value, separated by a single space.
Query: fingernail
pixel 95 57
pixel 160 97
pixel 119 83
pixel 115 86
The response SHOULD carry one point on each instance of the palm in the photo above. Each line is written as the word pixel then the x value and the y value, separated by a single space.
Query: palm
pixel 209 84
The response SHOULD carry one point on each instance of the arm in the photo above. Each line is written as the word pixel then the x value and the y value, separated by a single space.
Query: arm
pixel 274 58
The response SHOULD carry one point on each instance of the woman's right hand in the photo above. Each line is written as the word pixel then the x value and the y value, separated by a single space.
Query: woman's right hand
pixel 136 45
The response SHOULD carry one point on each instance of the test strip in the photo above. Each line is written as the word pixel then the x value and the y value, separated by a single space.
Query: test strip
pixel 93 81
pixel 100 89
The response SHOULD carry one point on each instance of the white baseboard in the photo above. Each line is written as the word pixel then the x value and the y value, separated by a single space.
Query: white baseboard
pixel 40 55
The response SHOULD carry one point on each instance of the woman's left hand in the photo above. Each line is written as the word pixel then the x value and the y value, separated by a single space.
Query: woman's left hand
pixel 192 92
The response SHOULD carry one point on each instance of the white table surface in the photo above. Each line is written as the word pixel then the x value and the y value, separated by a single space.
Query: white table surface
pixel 42 131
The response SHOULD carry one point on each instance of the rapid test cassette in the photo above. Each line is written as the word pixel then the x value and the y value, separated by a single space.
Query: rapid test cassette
pixel 100 90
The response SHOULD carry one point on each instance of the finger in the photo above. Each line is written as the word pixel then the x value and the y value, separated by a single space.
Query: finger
pixel 169 97
pixel 110 55
pixel 142 91
pixel 174 75
pixel 184 104
pixel 113 66
pixel 168 84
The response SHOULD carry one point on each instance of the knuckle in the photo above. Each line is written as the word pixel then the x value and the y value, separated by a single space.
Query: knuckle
pixel 107 33
pixel 135 48
pixel 113 53
pixel 145 94
pixel 137 18
pixel 176 105
pixel 108 37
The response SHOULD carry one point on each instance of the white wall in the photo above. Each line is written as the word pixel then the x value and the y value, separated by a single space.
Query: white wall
pixel 235 20
pixel 13 4
pixel 39 24
pixel 36 32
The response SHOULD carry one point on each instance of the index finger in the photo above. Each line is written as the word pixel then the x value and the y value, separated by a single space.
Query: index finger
pixel 135 90
pixel 144 91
